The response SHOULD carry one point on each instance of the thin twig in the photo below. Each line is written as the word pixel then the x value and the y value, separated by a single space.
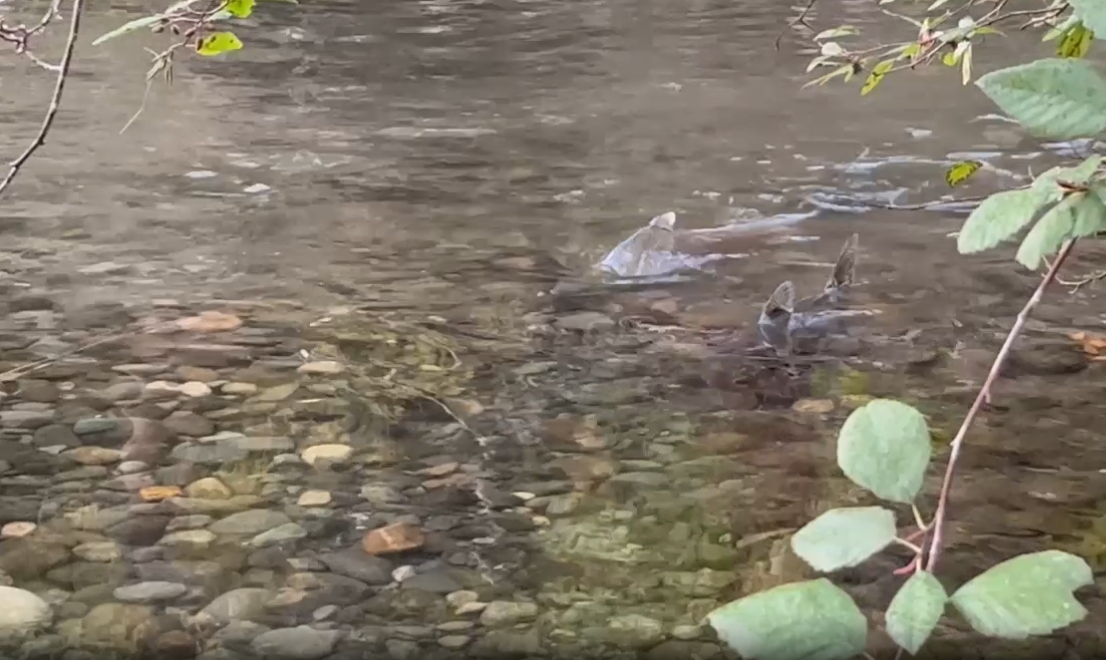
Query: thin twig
pixel 984 394
pixel 798 20
pixel 55 100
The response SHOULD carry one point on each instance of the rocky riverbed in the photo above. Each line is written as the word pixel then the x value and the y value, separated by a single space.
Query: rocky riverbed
pixel 267 480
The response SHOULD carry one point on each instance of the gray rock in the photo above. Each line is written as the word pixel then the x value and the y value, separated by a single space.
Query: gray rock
pixel 354 563
pixel 122 391
pixel 150 592
pixel 117 627
pixel 504 613
pixel 189 423
pixel 26 419
pixel 438 581
pixel 210 453
pixel 299 643
pixel 55 435
pixel 585 322
pixel 22 614
pixel 635 631
pixel 280 534
pixel 508 643
pixel 253 521
pixel 236 605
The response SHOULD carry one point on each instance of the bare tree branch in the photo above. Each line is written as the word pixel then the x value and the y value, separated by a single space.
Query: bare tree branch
pixel 59 87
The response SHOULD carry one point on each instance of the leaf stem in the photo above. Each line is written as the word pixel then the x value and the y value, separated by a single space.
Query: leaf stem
pixel 907 544
pixel 985 395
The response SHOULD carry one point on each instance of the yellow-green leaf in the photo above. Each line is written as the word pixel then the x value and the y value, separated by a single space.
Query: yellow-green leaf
pixel 845 70
pixel 910 52
pixel 1060 29
pixel 1076 41
pixel 240 8
pixel 961 172
pixel 218 43
pixel 951 58
pixel 876 76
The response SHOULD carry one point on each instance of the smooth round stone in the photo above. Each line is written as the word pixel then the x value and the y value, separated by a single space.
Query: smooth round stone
pixel 195 389
pixel 311 498
pixel 299 643
pixel 322 367
pixel 454 641
pixel 188 537
pixel 99 551
pixel 404 573
pixel 131 467
pixel 23 613
pixel 17 529
pixel 92 455
pixel 208 488
pixel 332 453
pixel 149 592
pixel 238 388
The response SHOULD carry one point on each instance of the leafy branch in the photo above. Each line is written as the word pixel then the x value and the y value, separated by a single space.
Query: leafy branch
pixel 885 446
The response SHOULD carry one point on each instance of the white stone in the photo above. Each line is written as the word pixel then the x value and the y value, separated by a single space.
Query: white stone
pixel 23 613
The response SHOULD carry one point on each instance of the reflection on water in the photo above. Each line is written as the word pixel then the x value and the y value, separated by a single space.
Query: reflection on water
pixel 312 362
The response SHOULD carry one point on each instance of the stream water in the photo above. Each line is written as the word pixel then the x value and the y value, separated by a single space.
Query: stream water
pixel 310 362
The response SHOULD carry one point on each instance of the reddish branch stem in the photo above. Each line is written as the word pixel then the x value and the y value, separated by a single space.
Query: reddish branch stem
pixel 984 395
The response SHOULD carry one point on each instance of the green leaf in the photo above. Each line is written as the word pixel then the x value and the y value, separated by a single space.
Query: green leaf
pixel 1092 13
pixel 1053 98
pixel 843 70
pixel 217 43
pixel 1028 595
pixel 915 611
pixel 136 24
pixel 1076 41
pixel 1080 175
pixel 876 76
pixel 812 620
pixel 1078 214
pixel 961 171
pixel 840 538
pixel 1060 29
pixel 884 446
pixel 999 217
pixel 240 8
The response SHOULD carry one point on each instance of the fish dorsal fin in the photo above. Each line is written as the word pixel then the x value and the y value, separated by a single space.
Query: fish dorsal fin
pixel 781 301
pixel 664 221
pixel 844 271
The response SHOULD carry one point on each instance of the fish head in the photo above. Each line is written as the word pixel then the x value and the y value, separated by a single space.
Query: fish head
pixel 774 324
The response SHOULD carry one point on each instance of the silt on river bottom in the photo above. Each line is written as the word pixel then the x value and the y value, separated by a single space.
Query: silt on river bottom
pixel 332 400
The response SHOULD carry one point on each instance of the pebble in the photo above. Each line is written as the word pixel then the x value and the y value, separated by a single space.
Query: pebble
pixel 397 537
pixel 17 529
pixel 314 498
pixel 506 613
pixel 253 521
pixel 330 453
pixel 149 592
pixel 208 488
pixel 299 643
pixel 324 367
pixel 813 406
pixel 158 493
pixel 22 614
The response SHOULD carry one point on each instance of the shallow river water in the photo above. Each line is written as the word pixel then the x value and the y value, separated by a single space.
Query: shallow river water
pixel 310 363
